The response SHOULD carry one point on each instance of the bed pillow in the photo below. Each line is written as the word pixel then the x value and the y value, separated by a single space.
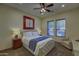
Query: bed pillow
pixel 24 34
pixel 28 34
pixel 35 33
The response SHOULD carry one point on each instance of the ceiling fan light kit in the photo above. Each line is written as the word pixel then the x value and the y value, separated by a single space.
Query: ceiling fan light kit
pixel 42 13
pixel 43 10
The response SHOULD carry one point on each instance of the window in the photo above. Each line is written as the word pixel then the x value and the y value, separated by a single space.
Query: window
pixel 51 28
pixel 56 28
pixel 60 28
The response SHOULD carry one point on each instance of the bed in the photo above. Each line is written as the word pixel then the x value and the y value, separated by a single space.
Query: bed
pixel 38 45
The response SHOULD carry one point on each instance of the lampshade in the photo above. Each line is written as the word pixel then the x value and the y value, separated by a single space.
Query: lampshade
pixel 16 31
pixel 38 30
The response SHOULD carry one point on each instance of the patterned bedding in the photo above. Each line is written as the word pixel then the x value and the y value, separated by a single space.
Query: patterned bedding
pixel 33 42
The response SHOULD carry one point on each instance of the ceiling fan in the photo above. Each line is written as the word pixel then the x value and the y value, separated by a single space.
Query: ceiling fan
pixel 44 7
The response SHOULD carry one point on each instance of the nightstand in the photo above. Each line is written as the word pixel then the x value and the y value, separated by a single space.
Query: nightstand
pixel 17 43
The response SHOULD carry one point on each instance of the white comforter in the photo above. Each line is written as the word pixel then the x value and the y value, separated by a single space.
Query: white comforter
pixel 39 45
pixel 27 39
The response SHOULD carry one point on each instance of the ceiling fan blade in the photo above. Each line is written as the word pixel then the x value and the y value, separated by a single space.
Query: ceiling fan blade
pixel 36 8
pixel 49 10
pixel 50 5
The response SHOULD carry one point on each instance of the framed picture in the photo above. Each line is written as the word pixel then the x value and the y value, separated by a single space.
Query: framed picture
pixel 28 22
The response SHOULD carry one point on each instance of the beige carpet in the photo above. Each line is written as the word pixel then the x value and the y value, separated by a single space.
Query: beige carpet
pixel 59 50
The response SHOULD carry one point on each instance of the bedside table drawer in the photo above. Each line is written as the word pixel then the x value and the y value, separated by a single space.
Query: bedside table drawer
pixel 17 43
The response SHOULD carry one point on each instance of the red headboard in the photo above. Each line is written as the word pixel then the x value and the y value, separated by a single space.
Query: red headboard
pixel 28 22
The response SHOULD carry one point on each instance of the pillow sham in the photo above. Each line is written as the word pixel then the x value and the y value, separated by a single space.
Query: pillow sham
pixel 35 33
pixel 28 34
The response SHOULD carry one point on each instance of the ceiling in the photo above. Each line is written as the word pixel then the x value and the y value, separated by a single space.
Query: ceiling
pixel 28 8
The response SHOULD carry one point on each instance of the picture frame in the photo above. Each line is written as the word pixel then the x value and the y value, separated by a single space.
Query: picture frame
pixel 28 22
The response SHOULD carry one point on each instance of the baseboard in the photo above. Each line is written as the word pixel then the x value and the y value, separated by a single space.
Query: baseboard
pixel 6 49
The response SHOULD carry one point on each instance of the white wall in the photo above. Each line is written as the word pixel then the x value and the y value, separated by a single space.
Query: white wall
pixel 11 18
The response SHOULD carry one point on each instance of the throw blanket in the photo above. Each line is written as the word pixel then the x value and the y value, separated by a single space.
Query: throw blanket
pixel 33 42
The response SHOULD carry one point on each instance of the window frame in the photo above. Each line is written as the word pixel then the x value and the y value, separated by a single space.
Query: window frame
pixel 47 27
pixel 63 29
pixel 55 32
